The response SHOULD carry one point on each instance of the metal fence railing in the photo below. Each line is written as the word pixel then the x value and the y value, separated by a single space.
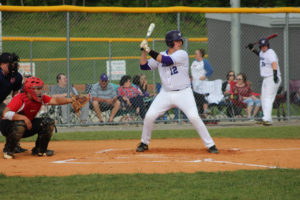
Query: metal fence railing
pixel 86 42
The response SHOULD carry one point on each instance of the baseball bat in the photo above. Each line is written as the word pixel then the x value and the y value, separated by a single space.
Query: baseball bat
pixel 150 30
pixel 269 37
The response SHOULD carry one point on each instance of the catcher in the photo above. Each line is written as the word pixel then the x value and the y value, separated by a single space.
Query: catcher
pixel 19 118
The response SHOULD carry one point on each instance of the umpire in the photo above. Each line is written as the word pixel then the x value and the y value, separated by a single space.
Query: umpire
pixel 10 82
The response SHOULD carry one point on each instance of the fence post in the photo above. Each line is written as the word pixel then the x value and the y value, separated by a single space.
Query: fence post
pixel 153 71
pixel 68 65
pixel 286 63
pixel 31 55
pixel 94 69
pixel 178 21
pixel 235 38
pixel 109 60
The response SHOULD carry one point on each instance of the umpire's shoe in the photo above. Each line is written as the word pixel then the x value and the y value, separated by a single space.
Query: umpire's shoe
pixel 213 149
pixel 38 153
pixel 19 149
pixel 142 147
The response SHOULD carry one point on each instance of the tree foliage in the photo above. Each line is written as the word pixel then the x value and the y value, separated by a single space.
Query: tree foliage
pixel 153 3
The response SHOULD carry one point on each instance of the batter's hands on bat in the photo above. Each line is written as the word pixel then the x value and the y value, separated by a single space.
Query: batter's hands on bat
pixel 250 46
pixel 144 46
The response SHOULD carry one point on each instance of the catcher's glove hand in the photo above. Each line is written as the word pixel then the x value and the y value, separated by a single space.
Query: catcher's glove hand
pixel 79 101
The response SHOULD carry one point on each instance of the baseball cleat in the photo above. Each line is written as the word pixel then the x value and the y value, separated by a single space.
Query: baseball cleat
pixel 259 121
pixel 47 153
pixel 266 123
pixel 8 155
pixel 213 149
pixel 142 147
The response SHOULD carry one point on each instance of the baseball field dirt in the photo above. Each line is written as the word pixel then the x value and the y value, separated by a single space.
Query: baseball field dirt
pixel 164 156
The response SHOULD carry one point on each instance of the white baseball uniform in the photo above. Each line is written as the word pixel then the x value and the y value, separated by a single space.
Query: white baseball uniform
pixel 175 92
pixel 269 88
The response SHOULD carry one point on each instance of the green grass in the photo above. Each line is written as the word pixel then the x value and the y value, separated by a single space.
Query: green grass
pixel 257 184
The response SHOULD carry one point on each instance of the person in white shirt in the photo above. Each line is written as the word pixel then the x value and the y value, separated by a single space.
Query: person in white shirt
pixel 173 67
pixel 270 71
pixel 201 70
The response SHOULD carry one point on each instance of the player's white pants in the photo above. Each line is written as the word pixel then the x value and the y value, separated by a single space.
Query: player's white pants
pixel 268 94
pixel 184 100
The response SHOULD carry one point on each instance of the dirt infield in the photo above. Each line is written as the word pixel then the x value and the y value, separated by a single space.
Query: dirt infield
pixel 164 156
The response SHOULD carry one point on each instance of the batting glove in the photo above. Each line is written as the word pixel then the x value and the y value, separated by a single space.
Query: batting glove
pixel 144 46
pixel 275 78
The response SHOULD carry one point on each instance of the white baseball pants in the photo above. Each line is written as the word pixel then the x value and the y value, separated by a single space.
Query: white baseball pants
pixel 268 94
pixel 184 100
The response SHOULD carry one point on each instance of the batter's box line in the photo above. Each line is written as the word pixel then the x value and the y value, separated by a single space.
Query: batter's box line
pixel 280 149
pixel 207 160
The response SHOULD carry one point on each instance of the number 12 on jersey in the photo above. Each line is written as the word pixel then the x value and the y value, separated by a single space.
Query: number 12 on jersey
pixel 173 70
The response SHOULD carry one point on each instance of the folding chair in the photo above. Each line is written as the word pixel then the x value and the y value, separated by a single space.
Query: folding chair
pixel 214 97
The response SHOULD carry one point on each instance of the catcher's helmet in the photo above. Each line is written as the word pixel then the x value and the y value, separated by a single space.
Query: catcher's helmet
pixel 263 42
pixel 31 84
pixel 172 36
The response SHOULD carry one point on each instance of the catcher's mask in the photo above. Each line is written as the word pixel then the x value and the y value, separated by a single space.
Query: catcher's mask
pixel 34 86
pixel 172 36
pixel 12 59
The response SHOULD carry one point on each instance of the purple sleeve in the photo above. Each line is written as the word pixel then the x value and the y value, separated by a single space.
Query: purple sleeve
pixel 145 67
pixel 167 60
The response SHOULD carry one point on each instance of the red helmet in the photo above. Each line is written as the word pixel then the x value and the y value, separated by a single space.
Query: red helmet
pixel 32 83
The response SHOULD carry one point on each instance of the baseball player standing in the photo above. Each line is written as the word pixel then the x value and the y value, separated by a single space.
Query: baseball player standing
pixel 269 70
pixel 173 67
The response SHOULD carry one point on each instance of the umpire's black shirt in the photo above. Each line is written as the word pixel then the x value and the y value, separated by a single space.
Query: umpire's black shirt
pixel 9 84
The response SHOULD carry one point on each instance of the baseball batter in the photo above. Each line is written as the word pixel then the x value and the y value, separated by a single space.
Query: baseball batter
pixel 269 70
pixel 173 67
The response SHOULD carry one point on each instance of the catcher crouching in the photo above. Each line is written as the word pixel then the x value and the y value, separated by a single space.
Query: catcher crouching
pixel 19 118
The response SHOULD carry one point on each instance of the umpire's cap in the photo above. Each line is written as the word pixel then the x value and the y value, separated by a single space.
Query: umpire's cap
pixel 8 57
pixel 263 42
pixel 172 36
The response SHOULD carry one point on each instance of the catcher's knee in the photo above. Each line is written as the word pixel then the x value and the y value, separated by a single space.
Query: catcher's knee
pixel 13 135
pixel 18 128
pixel 47 126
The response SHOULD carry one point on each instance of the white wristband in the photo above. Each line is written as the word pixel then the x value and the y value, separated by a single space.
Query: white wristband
pixel 9 115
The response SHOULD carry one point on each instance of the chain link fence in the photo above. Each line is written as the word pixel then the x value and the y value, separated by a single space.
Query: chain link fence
pixel 109 43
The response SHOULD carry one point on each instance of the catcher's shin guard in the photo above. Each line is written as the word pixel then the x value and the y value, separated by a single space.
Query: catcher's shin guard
pixel 2 107
pixel 13 135
pixel 44 136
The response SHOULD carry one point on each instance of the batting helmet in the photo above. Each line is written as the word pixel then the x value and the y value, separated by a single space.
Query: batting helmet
pixel 263 42
pixel 31 84
pixel 172 36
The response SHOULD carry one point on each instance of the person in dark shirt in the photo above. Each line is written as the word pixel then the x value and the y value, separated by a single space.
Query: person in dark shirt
pixel 10 82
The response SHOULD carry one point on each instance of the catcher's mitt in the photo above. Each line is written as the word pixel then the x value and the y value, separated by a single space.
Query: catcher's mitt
pixel 79 101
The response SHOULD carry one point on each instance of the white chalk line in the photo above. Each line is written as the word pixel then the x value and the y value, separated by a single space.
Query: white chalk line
pixel 282 149
pixel 206 160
